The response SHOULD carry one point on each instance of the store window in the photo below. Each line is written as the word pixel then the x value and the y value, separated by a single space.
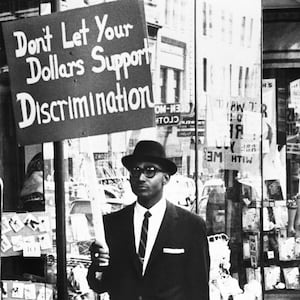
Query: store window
pixel 23 202
pixel 230 170
pixel 281 158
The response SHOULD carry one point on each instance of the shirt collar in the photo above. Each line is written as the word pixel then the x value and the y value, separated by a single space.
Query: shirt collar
pixel 156 209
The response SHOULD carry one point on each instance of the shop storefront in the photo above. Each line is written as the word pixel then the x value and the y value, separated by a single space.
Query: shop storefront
pixel 238 168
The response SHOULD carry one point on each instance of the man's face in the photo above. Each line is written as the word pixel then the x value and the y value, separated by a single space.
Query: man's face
pixel 147 181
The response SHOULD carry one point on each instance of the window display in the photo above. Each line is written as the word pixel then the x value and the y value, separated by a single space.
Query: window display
pixel 27 237
pixel 280 247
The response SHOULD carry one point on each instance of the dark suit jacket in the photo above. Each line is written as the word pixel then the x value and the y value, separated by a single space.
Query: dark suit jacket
pixel 178 267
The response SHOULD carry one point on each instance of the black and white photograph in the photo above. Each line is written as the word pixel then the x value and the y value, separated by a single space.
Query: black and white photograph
pixel 149 149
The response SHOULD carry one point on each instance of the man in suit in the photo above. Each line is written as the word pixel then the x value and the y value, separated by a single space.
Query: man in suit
pixel 157 251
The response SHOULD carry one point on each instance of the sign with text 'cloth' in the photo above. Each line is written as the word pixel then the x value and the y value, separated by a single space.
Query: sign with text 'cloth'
pixel 80 72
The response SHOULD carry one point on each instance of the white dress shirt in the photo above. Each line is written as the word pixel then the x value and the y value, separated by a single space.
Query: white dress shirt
pixel 157 213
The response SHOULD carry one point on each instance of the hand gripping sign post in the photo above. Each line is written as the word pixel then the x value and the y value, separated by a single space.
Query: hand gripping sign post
pixel 78 73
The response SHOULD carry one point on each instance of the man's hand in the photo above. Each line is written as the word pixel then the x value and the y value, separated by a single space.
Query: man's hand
pixel 100 260
pixel 99 254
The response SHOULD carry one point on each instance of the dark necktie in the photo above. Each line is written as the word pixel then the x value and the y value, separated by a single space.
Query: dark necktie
pixel 144 233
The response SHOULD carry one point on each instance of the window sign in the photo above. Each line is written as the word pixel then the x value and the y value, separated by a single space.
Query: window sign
pixel 232 139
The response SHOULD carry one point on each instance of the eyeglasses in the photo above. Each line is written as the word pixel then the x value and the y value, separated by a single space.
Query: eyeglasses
pixel 149 172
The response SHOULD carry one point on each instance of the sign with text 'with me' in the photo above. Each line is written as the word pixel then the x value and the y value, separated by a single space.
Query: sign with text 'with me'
pixel 80 72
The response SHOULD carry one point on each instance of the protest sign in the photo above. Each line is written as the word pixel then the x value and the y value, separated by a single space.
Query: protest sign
pixel 80 72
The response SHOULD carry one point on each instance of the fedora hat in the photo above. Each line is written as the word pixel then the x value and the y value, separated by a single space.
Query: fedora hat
pixel 150 151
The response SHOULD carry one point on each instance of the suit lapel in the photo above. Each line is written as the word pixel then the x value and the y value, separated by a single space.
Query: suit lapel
pixel 164 234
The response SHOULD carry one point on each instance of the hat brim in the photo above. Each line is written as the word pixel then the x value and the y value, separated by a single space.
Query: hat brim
pixel 166 164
